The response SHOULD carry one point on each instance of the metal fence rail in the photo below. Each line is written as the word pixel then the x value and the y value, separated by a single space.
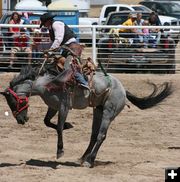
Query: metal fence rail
pixel 116 52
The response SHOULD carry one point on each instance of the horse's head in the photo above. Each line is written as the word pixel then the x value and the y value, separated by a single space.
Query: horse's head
pixel 17 99
pixel 18 92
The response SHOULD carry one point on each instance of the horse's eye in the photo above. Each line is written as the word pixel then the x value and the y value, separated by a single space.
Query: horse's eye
pixel 7 93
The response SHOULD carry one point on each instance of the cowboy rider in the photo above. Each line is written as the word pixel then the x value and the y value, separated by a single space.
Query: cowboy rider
pixel 60 34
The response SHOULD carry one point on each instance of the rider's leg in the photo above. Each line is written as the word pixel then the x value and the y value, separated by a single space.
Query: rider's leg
pixel 78 76
pixel 80 79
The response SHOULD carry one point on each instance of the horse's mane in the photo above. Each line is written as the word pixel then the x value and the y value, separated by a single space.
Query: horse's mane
pixel 27 72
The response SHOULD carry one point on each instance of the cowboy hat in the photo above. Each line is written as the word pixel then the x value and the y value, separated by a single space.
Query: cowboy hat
pixel 45 17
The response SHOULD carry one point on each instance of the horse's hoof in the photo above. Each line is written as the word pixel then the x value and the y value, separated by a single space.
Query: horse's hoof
pixel 59 154
pixel 87 164
pixel 67 126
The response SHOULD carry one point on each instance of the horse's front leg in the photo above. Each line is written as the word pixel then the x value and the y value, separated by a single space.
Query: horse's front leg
pixel 49 115
pixel 63 112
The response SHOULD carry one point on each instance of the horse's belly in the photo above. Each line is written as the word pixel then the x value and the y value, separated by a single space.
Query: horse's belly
pixel 78 99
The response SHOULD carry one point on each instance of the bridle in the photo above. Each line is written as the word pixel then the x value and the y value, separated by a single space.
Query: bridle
pixel 21 100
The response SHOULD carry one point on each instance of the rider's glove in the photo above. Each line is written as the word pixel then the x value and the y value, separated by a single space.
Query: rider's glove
pixel 47 53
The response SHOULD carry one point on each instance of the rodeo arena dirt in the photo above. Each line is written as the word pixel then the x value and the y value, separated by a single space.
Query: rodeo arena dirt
pixel 140 144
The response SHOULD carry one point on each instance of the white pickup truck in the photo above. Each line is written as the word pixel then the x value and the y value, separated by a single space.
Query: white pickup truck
pixel 106 9
pixel 165 20
pixel 86 33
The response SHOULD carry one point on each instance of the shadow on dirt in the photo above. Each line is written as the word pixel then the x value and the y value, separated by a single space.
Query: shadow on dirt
pixel 9 165
pixel 53 164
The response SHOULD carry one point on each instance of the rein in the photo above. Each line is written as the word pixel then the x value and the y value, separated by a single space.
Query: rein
pixel 20 101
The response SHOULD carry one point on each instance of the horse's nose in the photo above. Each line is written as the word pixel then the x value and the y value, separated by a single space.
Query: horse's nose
pixel 20 121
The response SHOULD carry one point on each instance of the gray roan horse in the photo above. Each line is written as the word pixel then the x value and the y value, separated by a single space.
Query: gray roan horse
pixel 107 99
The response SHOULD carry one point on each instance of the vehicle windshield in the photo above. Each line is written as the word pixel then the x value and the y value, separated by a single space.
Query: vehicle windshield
pixel 141 8
pixel 172 7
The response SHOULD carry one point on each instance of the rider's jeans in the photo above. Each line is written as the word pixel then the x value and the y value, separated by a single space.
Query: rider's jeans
pixel 80 78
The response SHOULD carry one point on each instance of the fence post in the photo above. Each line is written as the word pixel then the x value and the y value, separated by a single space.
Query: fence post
pixel 94 44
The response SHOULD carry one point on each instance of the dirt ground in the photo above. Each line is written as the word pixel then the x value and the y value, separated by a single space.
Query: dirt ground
pixel 139 146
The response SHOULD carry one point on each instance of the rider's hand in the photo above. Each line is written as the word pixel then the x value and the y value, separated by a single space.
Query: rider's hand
pixel 47 53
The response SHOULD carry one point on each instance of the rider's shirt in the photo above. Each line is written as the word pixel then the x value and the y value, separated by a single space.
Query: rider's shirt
pixel 61 34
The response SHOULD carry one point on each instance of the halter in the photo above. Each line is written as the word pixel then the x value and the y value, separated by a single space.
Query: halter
pixel 20 100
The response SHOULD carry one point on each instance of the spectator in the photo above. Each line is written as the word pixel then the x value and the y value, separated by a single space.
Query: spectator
pixel 154 21
pixel 139 22
pixel 21 45
pixel 36 43
pixel 147 38
pixel 25 18
pixel 15 19
pixel 130 33
pixel 45 39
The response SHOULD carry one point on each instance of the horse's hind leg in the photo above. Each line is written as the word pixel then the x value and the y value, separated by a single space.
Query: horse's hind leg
pixel 97 118
pixel 110 111
pixel 90 158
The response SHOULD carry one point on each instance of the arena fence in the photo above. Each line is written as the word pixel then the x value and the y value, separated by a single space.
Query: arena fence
pixel 117 52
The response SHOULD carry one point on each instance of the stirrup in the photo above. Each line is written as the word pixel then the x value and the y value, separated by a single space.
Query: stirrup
pixel 85 86
pixel 86 93
pixel 86 90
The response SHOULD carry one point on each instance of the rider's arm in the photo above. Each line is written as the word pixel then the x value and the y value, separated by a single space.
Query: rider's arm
pixel 58 28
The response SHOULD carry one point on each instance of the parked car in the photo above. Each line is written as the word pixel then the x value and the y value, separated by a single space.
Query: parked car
pixel 166 8
pixel 117 53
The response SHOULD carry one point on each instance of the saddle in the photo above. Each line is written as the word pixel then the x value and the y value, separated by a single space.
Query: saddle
pixel 67 78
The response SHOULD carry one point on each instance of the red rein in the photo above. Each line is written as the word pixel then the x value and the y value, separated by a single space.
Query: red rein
pixel 20 100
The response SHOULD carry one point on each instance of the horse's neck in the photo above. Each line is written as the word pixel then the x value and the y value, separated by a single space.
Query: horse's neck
pixel 39 85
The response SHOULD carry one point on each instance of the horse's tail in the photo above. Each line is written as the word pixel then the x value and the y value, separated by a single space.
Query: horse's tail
pixel 158 95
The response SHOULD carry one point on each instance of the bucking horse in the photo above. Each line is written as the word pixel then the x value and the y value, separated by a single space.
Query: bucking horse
pixel 107 96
